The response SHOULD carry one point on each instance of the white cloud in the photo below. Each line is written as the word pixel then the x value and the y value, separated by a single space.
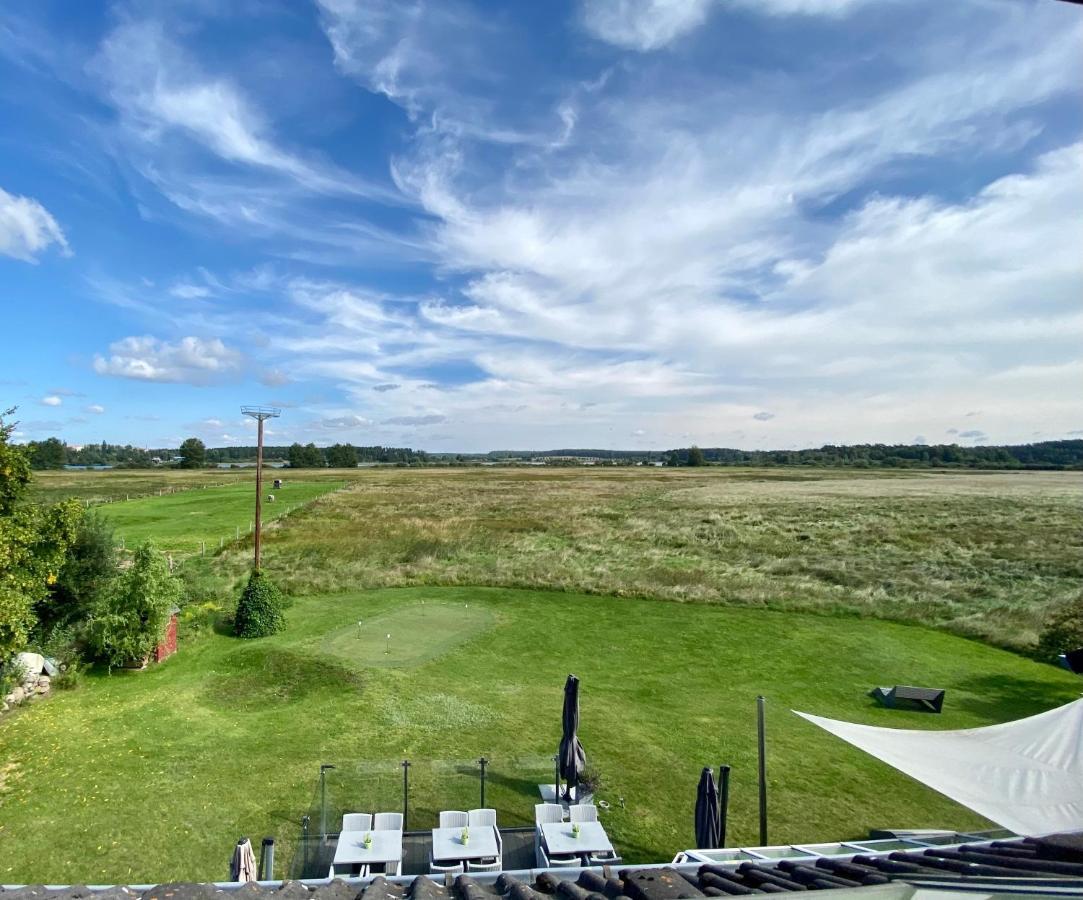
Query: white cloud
pixel 95 408
pixel 643 24
pixel 345 423
pixel 190 360
pixel 51 400
pixel 27 228
pixel 646 25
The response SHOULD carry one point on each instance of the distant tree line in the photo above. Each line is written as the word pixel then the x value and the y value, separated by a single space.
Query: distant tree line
pixel 53 454
pixel 1044 455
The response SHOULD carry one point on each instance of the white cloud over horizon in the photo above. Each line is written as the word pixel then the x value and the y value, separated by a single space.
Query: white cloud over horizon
pixel 27 228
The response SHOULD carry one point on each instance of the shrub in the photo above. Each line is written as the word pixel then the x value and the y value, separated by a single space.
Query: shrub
pixel 11 676
pixel 132 617
pixel 260 610
pixel 1064 631
pixel 69 678
pixel 89 568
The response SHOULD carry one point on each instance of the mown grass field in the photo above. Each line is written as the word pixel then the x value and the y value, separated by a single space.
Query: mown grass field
pixel 156 774
pixel 179 522
pixel 677 596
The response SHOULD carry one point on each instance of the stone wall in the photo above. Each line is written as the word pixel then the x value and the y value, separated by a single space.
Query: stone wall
pixel 35 684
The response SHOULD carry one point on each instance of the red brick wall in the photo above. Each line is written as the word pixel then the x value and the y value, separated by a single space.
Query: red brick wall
pixel 168 646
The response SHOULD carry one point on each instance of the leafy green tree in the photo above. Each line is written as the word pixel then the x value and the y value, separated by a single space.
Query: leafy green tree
pixel 307 457
pixel 342 456
pixel 87 573
pixel 695 456
pixel 193 454
pixel 48 454
pixel 260 611
pixel 129 621
pixel 33 541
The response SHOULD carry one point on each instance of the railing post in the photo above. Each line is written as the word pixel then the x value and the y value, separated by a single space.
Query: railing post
pixel 723 801
pixel 405 794
pixel 267 860
pixel 323 800
pixel 761 734
pixel 304 843
pixel 483 762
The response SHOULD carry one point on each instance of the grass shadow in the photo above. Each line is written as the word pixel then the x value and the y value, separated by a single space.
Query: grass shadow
pixel 1005 697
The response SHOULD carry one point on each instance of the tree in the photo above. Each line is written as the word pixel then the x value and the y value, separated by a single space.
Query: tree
pixel 342 456
pixel 260 610
pixel 33 541
pixel 695 456
pixel 307 457
pixel 1064 631
pixel 48 454
pixel 129 621
pixel 87 573
pixel 193 454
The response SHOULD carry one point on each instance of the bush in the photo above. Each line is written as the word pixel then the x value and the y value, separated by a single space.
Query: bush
pixel 1064 632
pixel 11 676
pixel 69 678
pixel 131 619
pixel 260 610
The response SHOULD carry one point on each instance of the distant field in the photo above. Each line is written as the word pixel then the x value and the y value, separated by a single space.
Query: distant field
pixel 156 774
pixel 980 554
pixel 984 554
pixel 178 522
pixel 116 484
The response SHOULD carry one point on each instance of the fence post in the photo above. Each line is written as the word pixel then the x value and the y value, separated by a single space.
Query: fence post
pixel 483 762
pixel 202 548
pixel 323 800
pixel 405 794
pixel 761 734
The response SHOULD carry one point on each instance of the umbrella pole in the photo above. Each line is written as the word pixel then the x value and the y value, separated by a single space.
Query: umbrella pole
pixel 762 746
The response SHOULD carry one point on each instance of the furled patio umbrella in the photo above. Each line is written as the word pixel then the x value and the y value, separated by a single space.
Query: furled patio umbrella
pixel 572 757
pixel 243 865
pixel 708 812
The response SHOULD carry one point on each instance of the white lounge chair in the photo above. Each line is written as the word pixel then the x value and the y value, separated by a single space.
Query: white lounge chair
pixel 387 822
pixel 452 818
pixel 357 822
pixel 583 812
pixel 483 817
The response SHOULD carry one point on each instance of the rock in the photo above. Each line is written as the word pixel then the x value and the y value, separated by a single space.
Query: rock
pixel 44 680
pixel 32 663
pixel 4 707
pixel 43 689
pixel 17 695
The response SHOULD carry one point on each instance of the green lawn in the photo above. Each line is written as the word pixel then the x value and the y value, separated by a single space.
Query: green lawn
pixel 156 774
pixel 178 522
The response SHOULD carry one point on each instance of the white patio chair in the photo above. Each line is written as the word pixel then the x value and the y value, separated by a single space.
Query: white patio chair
pixel 437 867
pixel 483 817
pixel 583 812
pixel 605 859
pixel 566 862
pixel 357 822
pixel 387 822
pixel 545 813
pixel 481 865
pixel 452 818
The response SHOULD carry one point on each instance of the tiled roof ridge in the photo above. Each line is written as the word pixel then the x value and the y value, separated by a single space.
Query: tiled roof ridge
pixel 1056 857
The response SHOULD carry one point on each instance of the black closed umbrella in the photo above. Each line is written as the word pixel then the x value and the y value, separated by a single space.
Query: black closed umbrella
pixel 708 813
pixel 572 757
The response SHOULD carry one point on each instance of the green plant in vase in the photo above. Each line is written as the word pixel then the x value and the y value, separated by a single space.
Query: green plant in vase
pixel 575 829
pixel 465 836
pixel 368 840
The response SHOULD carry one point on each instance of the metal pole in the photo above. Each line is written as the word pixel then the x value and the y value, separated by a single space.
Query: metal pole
pixel 304 842
pixel 259 487
pixel 267 860
pixel 723 801
pixel 323 800
pixel 556 777
pixel 405 793
pixel 483 762
pixel 761 732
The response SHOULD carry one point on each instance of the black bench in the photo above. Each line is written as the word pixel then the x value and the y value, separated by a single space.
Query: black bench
pixel 931 699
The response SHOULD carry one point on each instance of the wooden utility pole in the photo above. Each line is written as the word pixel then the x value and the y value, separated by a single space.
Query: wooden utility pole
pixel 260 414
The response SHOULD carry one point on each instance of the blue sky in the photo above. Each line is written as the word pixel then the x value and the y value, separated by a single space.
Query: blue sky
pixel 605 223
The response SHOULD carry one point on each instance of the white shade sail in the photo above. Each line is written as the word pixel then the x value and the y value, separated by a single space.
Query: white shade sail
pixel 1025 775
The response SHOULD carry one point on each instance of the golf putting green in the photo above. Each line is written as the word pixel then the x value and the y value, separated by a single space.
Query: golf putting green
pixel 420 630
